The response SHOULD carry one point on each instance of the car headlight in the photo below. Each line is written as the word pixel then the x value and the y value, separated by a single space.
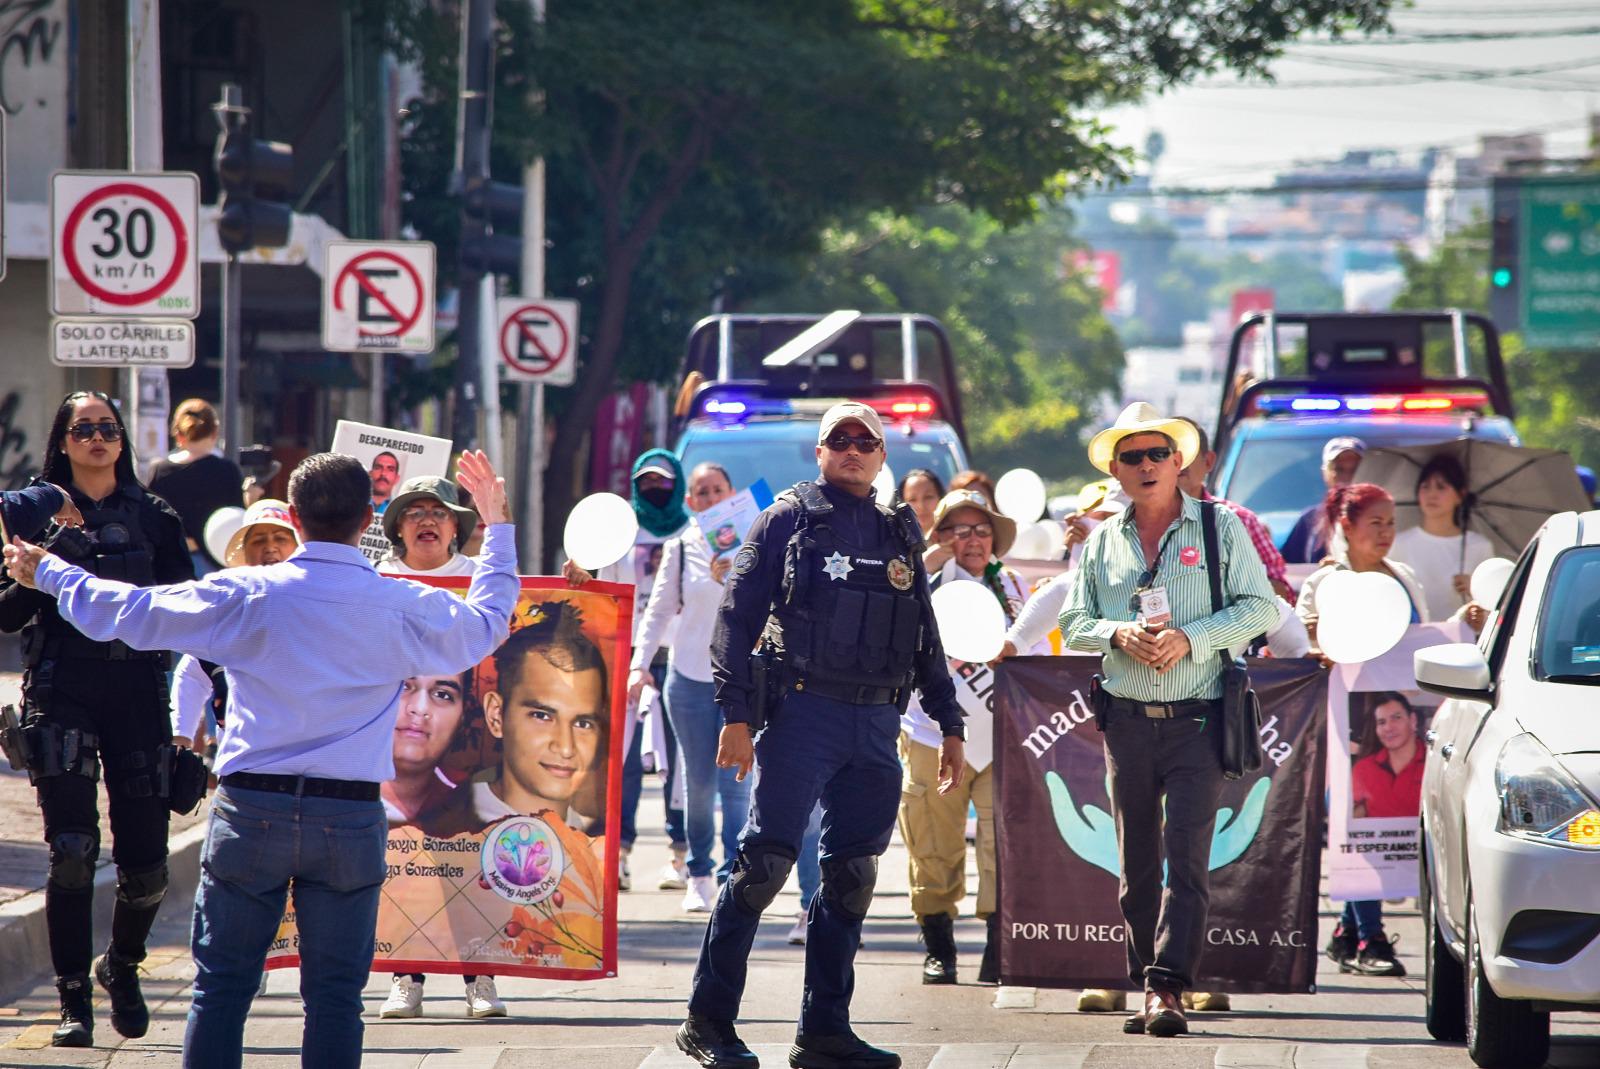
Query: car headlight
pixel 1540 800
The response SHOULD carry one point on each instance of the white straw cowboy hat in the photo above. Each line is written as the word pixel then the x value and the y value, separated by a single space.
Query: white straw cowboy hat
pixel 1142 418
pixel 1005 528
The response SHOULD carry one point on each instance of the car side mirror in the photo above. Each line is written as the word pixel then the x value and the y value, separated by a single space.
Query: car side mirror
pixel 1457 670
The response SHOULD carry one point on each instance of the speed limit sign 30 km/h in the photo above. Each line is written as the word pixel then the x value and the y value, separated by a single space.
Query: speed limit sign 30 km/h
pixel 124 244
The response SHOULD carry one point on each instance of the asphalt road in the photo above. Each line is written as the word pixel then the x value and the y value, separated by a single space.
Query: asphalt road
pixel 627 1023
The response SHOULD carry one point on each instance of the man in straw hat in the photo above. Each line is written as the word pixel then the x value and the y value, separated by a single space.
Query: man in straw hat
pixel 1142 598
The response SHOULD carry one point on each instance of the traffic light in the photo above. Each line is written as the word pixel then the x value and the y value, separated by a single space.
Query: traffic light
pixel 252 172
pixel 485 206
pixel 1505 253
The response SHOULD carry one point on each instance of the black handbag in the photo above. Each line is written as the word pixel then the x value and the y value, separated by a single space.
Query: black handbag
pixel 1241 710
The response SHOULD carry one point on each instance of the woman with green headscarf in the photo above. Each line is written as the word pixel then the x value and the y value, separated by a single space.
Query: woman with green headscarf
pixel 657 497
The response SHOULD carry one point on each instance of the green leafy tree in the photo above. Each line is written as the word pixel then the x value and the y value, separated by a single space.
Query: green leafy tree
pixel 745 127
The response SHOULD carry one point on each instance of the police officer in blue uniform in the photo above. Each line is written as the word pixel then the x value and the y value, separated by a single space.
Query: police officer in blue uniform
pixel 832 586
pixel 94 709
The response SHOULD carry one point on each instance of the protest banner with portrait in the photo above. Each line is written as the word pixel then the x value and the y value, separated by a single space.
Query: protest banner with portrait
pixel 1056 840
pixel 505 807
pixel 390 457
pixel 1377 724
pixel 726 523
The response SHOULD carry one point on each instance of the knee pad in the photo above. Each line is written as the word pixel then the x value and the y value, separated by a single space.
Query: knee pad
pixel 848 882
pixel 143 889
pixel 759 875
pixel 72 858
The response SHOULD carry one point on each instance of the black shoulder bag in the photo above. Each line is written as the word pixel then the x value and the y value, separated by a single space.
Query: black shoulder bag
pixel 1241 711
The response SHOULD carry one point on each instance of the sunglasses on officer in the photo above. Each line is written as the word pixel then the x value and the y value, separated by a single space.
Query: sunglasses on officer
pixel 107 429
pixel 864 443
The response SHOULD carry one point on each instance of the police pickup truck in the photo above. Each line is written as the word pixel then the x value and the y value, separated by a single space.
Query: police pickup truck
pixel 754 388
pixel 1390 379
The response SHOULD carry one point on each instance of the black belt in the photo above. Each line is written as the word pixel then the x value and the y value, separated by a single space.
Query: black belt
pixel 350 790
pixel 846 692
pixel 1164 710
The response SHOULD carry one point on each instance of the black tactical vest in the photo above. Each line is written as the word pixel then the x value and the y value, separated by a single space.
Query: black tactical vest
pixel 848 613
pixel 117 541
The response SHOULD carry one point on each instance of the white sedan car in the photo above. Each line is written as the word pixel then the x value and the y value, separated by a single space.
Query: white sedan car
pixel 1511 807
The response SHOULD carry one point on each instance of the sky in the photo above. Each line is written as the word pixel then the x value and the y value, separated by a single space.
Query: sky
pixel 1219 133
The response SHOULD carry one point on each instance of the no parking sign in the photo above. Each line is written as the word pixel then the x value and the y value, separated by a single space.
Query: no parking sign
pixel 124 244
pixel 538 339
pixel 378 296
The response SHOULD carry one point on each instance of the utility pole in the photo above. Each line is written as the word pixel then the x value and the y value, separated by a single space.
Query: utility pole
pixel 232 116
pixel 145 399
pixel 473 115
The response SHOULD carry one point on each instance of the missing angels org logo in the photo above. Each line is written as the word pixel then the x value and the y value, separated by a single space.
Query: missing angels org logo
pixel 523 860
pixel 1091 833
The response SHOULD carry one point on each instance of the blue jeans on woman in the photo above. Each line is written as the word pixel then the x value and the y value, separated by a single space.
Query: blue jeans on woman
pixel 257 842
pixel 697 722
pixel 1363 919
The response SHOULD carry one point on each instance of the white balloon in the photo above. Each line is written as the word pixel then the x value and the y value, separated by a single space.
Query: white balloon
pixel 884 486
pixel 1361 615
pixel 1489 580
pixel 1020 494
pixel 971 624
pixel 1037 541
pixel 220 528
pixel 600 530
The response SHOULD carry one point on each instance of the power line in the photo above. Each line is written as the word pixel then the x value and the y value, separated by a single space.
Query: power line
pixel 1520 14
pixel 1426 37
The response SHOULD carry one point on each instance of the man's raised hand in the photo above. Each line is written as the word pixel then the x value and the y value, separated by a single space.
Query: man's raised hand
pixel 476 476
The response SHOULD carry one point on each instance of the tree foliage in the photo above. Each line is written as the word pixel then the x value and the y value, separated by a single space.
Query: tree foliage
pixel 720 136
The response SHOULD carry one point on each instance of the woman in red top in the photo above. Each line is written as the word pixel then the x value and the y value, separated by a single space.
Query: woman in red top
pixel 1386 780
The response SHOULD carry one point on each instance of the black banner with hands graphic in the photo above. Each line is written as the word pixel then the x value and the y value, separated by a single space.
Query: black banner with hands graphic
pixel 1057 840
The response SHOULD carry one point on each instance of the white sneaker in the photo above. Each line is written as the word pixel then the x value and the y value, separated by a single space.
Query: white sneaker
pixel 797 934
pixel 701 893
pixel 405 999
pixel 483 1000
pixel 674 876
pixel 624 877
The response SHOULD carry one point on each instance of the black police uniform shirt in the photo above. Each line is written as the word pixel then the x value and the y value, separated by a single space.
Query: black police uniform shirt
pixel 756 581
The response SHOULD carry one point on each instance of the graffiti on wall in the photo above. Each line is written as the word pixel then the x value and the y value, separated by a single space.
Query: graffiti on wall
pixel 29 33
pixel 16 462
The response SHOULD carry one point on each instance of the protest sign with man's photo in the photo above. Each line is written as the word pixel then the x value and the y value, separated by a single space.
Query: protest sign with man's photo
pixel 390 457
pixel 504 809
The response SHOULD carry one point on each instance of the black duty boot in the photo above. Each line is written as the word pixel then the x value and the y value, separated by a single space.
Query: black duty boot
pixel 129 1015
pixel 939 936
pixel 989 967
pixel 714 1044
pixel 77 1017
pixel 843 1051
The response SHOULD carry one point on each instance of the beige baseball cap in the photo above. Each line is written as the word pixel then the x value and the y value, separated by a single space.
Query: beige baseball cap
pixel 848 410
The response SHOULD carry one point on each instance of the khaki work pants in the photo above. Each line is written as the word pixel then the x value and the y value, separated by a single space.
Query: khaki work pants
pixel 934 828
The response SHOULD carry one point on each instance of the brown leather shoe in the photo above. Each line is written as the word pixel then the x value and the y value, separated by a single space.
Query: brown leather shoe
pixel 1163 1014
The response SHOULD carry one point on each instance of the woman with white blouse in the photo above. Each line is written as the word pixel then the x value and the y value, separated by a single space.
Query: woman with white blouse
pixel 688 588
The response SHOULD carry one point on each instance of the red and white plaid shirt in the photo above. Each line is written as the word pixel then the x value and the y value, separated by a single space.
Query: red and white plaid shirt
pixel 1260 537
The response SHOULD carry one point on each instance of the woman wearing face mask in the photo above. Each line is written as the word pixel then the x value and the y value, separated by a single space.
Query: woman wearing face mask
pixel 1364 514
pixel 688 589
pixel 933 825
pixel 1439 551
pixel 93 707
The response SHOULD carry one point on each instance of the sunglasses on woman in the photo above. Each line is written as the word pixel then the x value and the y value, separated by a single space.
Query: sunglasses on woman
pixel 84 432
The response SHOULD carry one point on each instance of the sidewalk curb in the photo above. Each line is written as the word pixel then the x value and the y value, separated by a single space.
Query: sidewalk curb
pixel 24 940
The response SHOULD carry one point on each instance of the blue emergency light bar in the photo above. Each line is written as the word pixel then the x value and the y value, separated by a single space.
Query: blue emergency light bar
pixel 1384 404
pixel 735 405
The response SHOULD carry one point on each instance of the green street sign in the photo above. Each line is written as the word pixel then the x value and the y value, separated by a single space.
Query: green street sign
pixel 1560 237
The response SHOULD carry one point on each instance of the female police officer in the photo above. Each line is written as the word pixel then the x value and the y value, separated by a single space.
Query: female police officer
pixel 835 589
pixel 92 705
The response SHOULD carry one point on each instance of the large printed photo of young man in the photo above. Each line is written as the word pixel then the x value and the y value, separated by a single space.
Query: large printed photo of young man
pixel 502 837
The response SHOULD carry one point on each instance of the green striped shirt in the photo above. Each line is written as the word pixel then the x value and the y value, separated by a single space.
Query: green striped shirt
pixel 1108 577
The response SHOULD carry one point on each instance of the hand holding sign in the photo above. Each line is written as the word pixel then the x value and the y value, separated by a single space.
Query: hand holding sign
pixel 600 530
pixel 971 625
pixel 1360 615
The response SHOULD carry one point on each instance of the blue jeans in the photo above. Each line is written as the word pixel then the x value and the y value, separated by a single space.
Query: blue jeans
pixel 257 843
pixel 697 722
pixel 808 866
pixel 633 781
pixel 1364 918
pixel 814 749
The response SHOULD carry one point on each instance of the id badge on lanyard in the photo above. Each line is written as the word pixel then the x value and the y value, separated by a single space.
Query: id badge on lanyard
pixel 1154 609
